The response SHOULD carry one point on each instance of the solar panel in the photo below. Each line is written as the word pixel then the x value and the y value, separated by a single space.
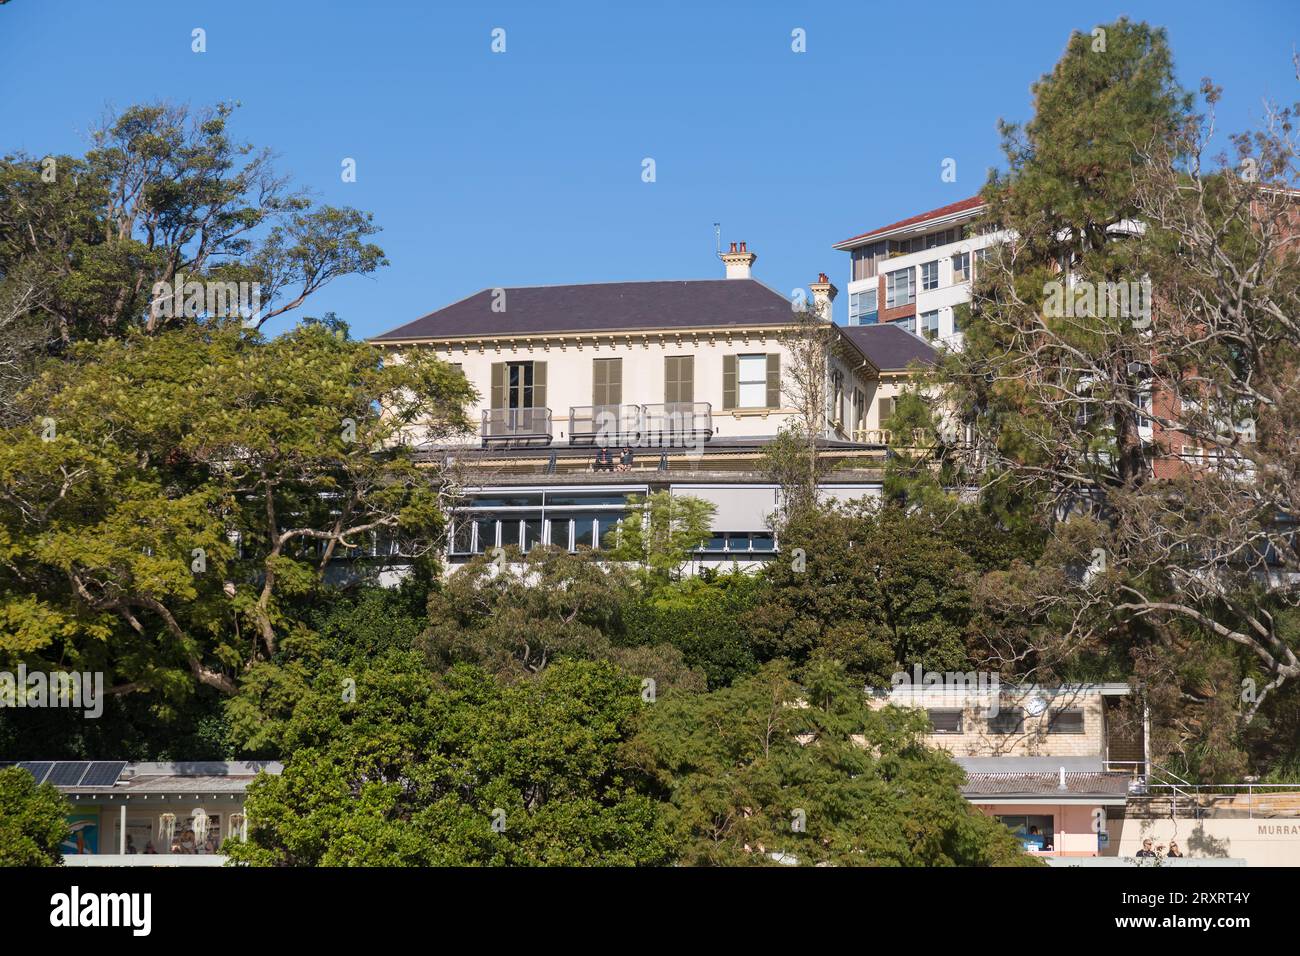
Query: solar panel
pixel 67 773
pixel 103 773
pixel 37 769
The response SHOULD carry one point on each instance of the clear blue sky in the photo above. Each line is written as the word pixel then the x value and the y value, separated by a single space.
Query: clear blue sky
pixel 524 168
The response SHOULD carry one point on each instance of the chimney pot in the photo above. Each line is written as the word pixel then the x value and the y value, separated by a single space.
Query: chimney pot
pixel 742 247
pixel 821 277
pixel 733 247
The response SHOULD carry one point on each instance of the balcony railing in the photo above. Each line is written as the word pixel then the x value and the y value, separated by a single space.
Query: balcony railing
pixel 517 426
pixel 667 424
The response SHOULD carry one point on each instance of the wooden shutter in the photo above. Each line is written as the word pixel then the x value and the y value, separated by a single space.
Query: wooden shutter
pixel 886 411
pixel 606 381
pixel 539 385
pixel 498 385
pixel 679 378
pixel 728 381
pixel 774 380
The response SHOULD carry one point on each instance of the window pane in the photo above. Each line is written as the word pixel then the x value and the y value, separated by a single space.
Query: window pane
pixel 532 533
pixel 762 541
pixel 582 534
pixel 559 532
pixel 606 525
pixel 509 531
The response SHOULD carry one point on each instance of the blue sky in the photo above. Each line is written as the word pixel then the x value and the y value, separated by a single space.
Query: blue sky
pixel 524 168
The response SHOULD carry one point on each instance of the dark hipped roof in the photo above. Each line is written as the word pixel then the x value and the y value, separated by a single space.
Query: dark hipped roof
pixel 889 347
pixel 974 202
pixel 603 307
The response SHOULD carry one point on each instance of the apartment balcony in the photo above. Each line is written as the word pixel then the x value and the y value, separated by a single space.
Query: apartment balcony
pixel 669 424
pixel 517 427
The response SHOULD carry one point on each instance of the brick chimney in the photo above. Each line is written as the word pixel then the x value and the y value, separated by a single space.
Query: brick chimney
pixel 824 293
pixel 738 261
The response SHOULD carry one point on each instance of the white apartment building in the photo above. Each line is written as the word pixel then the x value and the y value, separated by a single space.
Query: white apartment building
pixel 914 272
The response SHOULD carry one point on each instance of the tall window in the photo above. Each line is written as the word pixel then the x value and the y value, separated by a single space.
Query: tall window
pixel 929 275
pixel 930 325
pixel 679 378
pixel 908 323
pixel 900 288
pixel 518 385
pixel 606 381
pixel 961 267
pixel 751 380
pixel 862 307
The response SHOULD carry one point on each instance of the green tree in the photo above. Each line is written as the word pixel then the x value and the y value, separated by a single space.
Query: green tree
pixel 662 533
pixel 703 616
pixel 517 614
pixel 168 501
pixel 33 820
pixel 459 771
pixel 165 194
pixel 880 591
pixel 772 771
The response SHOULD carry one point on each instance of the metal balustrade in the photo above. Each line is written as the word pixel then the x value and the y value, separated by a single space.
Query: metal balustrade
pixel 517 425
pixel 666 424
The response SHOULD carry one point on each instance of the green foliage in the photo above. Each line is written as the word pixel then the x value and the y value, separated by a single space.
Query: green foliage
pixel 662 532
pixel 518 617
pixel 880 591
pixel 165 193
pixel 134 453
pixel 702 617
pixel 414 772
pixel 770 771
pixel 33 820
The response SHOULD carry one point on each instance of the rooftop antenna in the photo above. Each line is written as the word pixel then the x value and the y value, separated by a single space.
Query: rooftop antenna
pixel 717 235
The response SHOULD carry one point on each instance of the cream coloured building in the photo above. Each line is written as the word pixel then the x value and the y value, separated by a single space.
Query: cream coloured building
pixel 686 380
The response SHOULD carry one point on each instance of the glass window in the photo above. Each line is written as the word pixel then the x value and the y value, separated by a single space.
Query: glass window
pixel 717 542
pixel 566 499
pixel 1034 832
pixel 1008 720
pixel 762 541
pixel 738 542
pixel 900 288
pixel 862 307
pixel 606 526
pixel 929 275
pixel 930 325
pixel 1066 722
pixel 751 381
pixel 508 501
pixel 908 323
pixel 532 533
pixel 945 721
pixel 583 535
pixel 961 267
pixel 559 532
pixel 462 536
pixel 509 531
pixel 486 534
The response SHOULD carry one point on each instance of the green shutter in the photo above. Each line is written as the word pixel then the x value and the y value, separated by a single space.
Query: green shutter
pixel 539 385
pixel 728 381
pixel 498 385
pixel 774 380
pixel 686 378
